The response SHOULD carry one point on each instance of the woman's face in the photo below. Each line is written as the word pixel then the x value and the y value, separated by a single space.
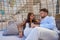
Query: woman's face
pixel 32 16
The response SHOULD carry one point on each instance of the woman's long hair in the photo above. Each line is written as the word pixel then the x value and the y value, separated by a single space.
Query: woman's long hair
pixel 28 19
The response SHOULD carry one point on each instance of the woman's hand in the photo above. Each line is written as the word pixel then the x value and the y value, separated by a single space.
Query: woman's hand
pixel 20 34
pixel 34 25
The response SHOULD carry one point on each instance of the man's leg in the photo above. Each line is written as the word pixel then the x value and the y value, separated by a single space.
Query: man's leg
pixel 47 34
pixel 42 33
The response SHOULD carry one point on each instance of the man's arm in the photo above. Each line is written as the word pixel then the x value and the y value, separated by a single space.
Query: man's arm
pixel 51 23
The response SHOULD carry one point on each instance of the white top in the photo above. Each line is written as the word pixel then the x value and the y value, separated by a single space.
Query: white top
pixel 27 30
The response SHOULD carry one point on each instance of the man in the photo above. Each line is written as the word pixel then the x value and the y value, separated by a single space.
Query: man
pixel 47 29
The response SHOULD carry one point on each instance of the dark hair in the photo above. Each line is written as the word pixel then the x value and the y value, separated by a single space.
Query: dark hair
pixel 28 20
pixel 28 17
pixel 44 9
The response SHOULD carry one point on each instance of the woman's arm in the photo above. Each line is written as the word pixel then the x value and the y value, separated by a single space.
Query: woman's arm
pixel 20 28
pixel 35 24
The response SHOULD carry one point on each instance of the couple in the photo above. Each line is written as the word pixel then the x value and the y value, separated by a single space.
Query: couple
pixel 46 30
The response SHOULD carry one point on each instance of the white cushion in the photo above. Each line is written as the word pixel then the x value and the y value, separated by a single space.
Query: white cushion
pixel 11 29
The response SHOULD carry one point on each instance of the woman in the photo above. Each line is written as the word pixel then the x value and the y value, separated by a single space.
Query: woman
pixel 27 25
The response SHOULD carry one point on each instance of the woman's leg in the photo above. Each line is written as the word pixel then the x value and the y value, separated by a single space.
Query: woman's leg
pixel 42 33
pixel 34 35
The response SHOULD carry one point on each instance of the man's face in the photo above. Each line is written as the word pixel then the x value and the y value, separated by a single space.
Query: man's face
pixel 43 14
